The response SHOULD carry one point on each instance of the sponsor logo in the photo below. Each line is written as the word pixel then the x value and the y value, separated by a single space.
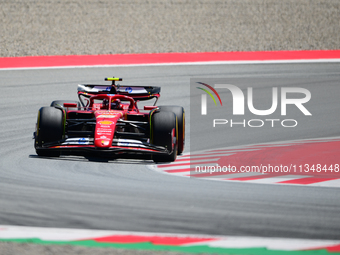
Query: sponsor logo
pixel 104 132
pixel 82 141
pixel 106 122
pixel 129 90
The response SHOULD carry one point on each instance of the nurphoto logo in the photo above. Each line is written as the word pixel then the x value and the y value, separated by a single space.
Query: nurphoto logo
pixel 239 104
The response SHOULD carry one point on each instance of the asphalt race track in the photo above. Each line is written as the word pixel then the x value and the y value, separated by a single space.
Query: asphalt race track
pixel 75 192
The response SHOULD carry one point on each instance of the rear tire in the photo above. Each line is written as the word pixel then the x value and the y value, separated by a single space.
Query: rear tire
pixel 164 130
pixel 50 128
pixel 179 111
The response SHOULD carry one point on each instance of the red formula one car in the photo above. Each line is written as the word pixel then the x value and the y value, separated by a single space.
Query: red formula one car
pixel 106 121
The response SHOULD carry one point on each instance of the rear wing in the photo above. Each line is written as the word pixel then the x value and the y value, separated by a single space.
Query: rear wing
pixel 136 92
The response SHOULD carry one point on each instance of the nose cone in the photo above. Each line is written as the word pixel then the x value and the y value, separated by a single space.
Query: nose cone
pixel 105 128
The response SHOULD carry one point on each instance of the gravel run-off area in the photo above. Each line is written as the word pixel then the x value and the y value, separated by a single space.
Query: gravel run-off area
pixel 78 27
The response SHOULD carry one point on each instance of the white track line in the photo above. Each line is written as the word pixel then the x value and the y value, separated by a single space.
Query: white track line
pixel 276 179
pixel 331 183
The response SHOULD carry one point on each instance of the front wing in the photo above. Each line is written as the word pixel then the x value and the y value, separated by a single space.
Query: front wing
pixel 129 146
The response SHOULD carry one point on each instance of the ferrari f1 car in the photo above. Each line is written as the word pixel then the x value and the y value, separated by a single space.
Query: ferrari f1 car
pixel 106 121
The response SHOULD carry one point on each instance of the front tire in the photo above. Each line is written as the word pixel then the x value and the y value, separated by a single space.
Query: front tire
pixel 179 111
pixel 50 128
pixel 164 133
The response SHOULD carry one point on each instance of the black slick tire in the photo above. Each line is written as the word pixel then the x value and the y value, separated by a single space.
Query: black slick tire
pixel 50 128
pixel 179 111
pixel 163 132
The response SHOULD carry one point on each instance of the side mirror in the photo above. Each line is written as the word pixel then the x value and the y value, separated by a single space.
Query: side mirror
pixel 70 105
pixel 149 108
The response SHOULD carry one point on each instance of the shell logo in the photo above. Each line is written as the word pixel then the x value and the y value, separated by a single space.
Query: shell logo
pixel 106 122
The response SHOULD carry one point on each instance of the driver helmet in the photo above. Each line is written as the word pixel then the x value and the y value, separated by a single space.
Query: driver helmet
pixel 105 104
pixel 115 104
